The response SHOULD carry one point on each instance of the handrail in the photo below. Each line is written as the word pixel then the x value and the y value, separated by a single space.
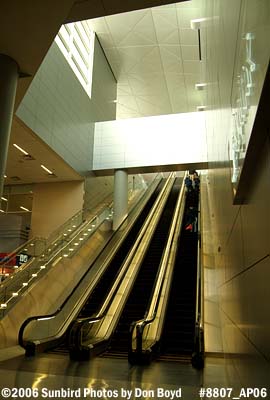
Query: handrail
pixel 168 257
pixel 198 354
pixel 143 240
pixel 145 195
pixel 19 282
pixel 47 240
pixel 14 253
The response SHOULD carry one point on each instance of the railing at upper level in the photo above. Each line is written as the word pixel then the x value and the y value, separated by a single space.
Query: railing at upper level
pixel 43 254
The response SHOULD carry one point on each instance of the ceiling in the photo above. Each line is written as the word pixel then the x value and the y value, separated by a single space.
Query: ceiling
pixel 154 55
pixel 25 169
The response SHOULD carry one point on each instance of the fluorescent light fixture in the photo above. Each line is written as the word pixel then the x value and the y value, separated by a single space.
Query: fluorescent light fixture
pixel 73 226
pixel 46 169
pixel 45 318
pixel 34 275
pixel 42 266
pixel 2 210
pixel 76 244
pixel 201 108
pixel 19 148
pixel 3 305
pixel 3 198
pixel 23 208
pixel 5 176
pixel 25 284
pixel 200 86
pixel 16 266
pixel 15 294
pixel 65 255
pixel 199 23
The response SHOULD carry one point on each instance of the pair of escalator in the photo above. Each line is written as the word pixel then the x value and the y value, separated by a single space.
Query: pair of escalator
pixel 178 332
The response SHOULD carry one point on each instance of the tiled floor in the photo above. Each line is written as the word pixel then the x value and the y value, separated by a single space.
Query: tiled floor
pixel 107 378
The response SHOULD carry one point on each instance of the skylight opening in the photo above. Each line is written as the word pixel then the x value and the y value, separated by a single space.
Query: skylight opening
pixel 76 42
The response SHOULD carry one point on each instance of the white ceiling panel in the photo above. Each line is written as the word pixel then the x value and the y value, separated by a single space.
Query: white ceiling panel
pixel 190 53
pixel 154 55
pixel 124 90
pixel 192 67
pixel 186 14
pixel 106 40
pixel 188 36
pixel 165 18
pixel 171 37
pixel 175 81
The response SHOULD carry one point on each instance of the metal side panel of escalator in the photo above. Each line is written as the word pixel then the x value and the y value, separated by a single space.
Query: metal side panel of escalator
pixel 177 342
pixel 104 284
pixel 141 292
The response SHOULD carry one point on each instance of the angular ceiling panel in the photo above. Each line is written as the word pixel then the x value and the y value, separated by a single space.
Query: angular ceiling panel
pixel 168 37
pixel 154 55
pixel 190 53
pixel 189 36
pixel 98 25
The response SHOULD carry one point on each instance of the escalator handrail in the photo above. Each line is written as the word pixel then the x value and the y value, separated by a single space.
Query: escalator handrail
pixel 56 312
pixel 164 265
pixel 199 314
pixel 142 237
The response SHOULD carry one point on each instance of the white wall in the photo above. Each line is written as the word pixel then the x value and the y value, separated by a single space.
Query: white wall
pixel 159 140
pixel 58 110
pixel 236 237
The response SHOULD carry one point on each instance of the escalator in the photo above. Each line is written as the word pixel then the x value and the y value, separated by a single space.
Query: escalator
pixel 140 295
pixel 100 291
pixel 178 332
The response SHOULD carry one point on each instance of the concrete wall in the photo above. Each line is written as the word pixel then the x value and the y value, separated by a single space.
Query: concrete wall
pixel 57 108
pixel 237 237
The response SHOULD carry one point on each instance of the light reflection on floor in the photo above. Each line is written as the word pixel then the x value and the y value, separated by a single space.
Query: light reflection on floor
pixel 108 378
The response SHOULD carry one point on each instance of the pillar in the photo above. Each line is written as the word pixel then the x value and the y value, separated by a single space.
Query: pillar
pixel 120 198
pixel 9 73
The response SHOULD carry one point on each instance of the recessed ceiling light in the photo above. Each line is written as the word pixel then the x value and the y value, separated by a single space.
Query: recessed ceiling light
pixel 19 148
pixel 201 108
pixel 46 169
pixel 23 208
pixel 5 176
pixel 200 86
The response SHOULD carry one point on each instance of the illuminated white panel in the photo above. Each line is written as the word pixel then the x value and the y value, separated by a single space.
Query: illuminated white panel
pixel 158 140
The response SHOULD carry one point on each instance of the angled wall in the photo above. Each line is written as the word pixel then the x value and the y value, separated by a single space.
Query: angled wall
pixel 59 111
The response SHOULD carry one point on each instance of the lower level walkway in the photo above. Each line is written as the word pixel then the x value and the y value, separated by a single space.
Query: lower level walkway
pixel 104 378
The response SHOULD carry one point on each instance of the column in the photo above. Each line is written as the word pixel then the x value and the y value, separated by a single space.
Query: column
pixel 9 73
pixel 120 198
